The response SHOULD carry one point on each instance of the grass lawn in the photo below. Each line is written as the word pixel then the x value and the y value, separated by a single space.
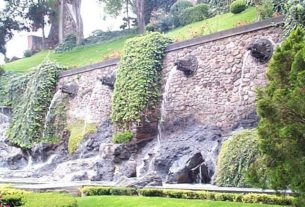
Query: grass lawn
pixel 123 201
pixel 96 53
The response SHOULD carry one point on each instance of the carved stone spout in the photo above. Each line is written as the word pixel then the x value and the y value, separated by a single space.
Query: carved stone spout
pixel 261 49
pixel 188 65
pixel 109 81
pixel 70 89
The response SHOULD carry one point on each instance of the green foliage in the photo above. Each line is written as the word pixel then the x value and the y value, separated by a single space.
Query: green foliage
pixel 78 131
pixel 35 92
pixel 238 6
pixel 281 107
pixel 95 191
pixel 236 156
pixel 68 44
pixel 196 13
pixel 137 88
pixel 177 9
pixel 295 15
pixel 27 53
pixel 265 10
pixel 188 194
pixel 163 22
pixel 5 82
pixel 123 137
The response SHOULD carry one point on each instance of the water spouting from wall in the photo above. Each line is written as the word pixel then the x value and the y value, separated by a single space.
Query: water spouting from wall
pixel 245 61
pixel 164 102
pixel 87 110
pixel 48 116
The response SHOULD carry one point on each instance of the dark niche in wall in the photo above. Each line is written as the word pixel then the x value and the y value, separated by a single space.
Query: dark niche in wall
pixel 261 50
pixel 109 81
pixel 188 65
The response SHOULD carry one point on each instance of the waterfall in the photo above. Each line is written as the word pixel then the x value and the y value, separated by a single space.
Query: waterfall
pixel 164 102
pixel 242 76
pixel 53 102
pixel 87 110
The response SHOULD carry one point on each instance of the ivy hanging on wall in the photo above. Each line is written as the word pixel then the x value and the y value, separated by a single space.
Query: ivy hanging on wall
pixel 35 93
pixel 137 88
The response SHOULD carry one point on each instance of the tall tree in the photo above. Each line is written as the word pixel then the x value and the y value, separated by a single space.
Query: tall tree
pixel 141 15
pixel 281 107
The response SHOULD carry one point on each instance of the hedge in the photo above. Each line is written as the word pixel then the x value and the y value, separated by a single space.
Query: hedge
pixel 188 194
pixel 194 14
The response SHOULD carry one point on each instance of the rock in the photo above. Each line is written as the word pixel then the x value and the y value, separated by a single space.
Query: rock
pixel 151 179
pixel 80 177
pixel 127 169
pixel 104 171
pixel 189 169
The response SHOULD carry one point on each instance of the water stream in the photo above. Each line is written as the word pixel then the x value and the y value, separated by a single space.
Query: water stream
pixel 48 116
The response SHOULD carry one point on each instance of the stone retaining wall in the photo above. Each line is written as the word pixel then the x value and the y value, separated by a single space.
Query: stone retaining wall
pixel 221 92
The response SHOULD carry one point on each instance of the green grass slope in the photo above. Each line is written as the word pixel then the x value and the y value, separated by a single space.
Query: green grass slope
pixel 123 201
pixel 96 53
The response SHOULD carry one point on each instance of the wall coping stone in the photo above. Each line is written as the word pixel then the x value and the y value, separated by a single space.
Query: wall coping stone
pixel 187 43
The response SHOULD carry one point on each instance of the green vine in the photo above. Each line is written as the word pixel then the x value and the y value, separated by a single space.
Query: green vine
pixel 31 96
pixel 137 88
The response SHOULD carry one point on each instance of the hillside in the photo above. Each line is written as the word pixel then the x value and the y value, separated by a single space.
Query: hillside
pixel 96 53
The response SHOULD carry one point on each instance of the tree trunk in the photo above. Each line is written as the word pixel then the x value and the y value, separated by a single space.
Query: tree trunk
pixel 141 16
pixel 79 21
pixel 43 37
pixel 61 21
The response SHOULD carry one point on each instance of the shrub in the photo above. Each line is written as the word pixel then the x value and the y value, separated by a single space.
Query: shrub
pixel 123 137
pixel 194 14
pixel 295 16
pixel 6 79
pixel 160 22
pixel 27 53
pixel 177 9
pixel 95 191
pixel 151 192
pixel 34 93
pixel 238 6
pixel 137 88
pixel 78 131
pixel 236 156
pixel 123 191
pixel 68 44
pixel 266 9
pixel 188 194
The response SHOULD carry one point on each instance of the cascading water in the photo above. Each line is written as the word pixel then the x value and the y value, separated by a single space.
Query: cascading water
pixel 242 76
pixel 164 102
pixel 87 110
pixel 56 97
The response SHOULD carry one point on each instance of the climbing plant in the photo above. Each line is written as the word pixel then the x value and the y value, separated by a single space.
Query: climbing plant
pixel 137 88
pixel 35 93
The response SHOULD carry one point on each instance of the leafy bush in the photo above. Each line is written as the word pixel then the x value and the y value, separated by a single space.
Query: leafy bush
pixel 238 6
pixel 6 79
pixel 68 44
pixel 35 93
pixel 236 156
pixel 160 22
pixel 27 53
pixel 123 137
pixel 78 131
pixel 266 9
pixel 295 16
pixel 177 9
pixel 123 191
pixel 95 191
pixel 188 194
pixel 151 192
pixel 194 14
pixel 137 88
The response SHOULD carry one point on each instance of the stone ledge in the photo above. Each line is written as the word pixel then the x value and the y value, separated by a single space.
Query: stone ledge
pixel 188 43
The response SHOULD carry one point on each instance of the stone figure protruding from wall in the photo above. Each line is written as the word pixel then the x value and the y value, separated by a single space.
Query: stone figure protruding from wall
pixel 70 20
